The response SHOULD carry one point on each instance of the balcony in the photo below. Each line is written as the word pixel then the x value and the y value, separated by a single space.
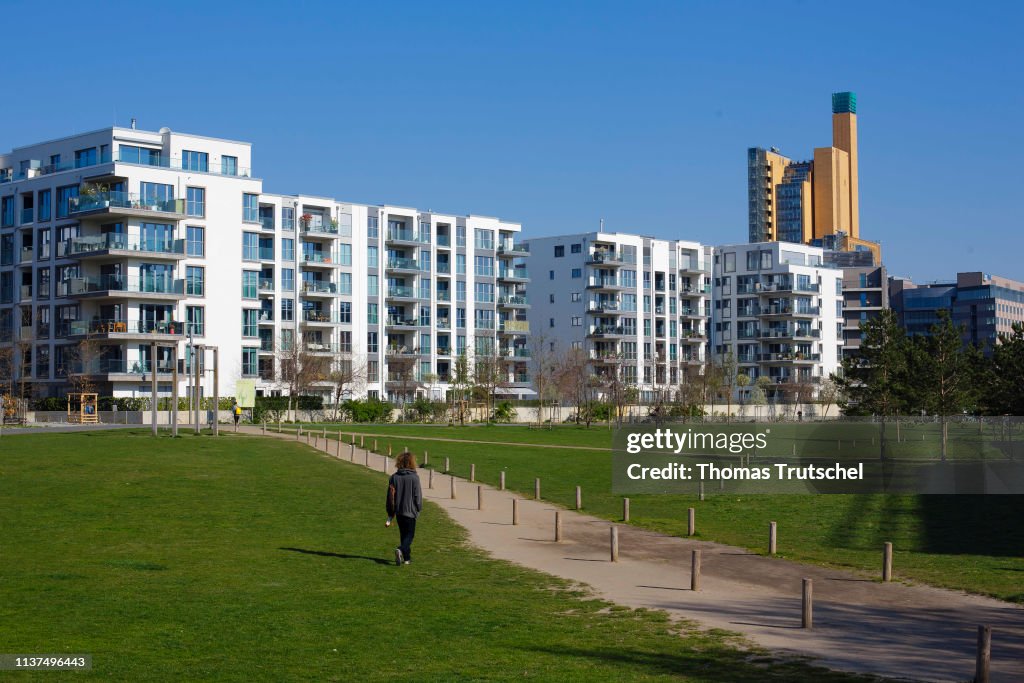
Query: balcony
pixel 443 268
pixel 115 368
pixel 266 345
pixel 113 246
pixel 789 357
pixel 318 259
pixel 520 380
pixel 318 228
pixel 409 237
pixel 515 326
pixel 606 357
pixel 443 324
pixel 510 248
pixel 694 290
pixel 314 317
pixel 691 269
pixel 318 347
pixel 688 336
pixel 513 274
pixel 603 307
pixel 266 285
pixel 690 313
pixel 609 283
pixel 746 358
pixel 402 265
pixel 128 286
pixel 785 310
pixel 27 216
pixel 400 321
pixel 27 255
pixel 128 330
pixel 607 331
pixel 125 204
pixel 513 302
pixel 318 288
pixel 444 350
pixel 401 350
pixel 605 259
pixel 443 295
pixel 516 353
pixel 267 223
pixel 400 292
pixel 787 286
pixel 690 359
pixel 443 241
pixel 126 156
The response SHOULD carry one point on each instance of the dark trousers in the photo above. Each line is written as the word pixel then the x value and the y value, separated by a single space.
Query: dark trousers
pixel 407 530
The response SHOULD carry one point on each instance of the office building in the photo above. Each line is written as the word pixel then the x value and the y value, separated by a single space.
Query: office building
pixel 778 312
pixel 124 237
pixel 637 306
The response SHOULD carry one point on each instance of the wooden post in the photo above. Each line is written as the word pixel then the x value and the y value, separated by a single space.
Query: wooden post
pixel 558 526
pixel 701 485
pixel 362 441
pixel 389 449
pixel 367 454
pixel 772 537
pixel 447 465
pixel 154 388
pixel 325 433
pixel 984 657
pixel 691 522
pixel 515 511
pixel 807 616
pixel 453 487
pixel 625 509
pixel 472 472
pixel 887 562
pixel 337 452
pixel 579 498
pixel 695 571
pixel 352 453
pixel 501 483
pixel 536 488
pixel 316 441
pixel 479 497
pixel 298 433
pixel 430 479
pixel 426 458
pixel 375 445
pixel 264 428
pixel 353 438
pixel 615 543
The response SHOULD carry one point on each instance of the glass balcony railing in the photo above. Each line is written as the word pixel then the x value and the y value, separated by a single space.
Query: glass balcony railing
pixel 105 326
pixel 402 321
pixel 27 216
pixel 123 200
pixel 443 241
pixel 267 222
pixel 141 284
pixel 513 273
pixel 396 263
pixel 399 291
pixel 266 284
pixel 319 227
pixel 444 295
pixel 513 301
pixel 515 326
pixel 319 287
pixel 117 366
pixel 407 236
pixel 131 156
pixel 47 169
pixel 315 316
pixel 78 246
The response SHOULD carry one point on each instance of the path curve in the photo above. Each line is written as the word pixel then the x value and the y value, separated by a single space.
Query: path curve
pixel 893 630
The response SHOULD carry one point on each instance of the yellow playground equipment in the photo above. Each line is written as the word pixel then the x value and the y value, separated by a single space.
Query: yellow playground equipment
pixel 82 408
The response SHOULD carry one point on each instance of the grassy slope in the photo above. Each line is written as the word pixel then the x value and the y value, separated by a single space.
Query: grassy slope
pixel 245 559
pixel 972 543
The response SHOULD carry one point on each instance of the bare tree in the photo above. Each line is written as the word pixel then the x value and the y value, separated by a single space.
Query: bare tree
pixel 402 370
pixel 544 357
pixel 83 358
pixel 346 376
pixel 300 369
pixel 574 383
pixel 828 394
pixel 461 386
pixel 489 375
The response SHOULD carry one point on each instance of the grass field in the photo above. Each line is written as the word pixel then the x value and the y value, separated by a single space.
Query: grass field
pixel 245 559
pixel 973 543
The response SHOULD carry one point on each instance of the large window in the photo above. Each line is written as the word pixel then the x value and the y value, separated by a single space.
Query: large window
pixel 484 265
pixel 7 212
pixel 195 161
pixel 194 280
pixel 229 165
pixel 194 319
pixel 287 310
pixel 130 154
pixel 156 193
pixel 372 314
pixel 85 157
pixel 43 212
pixel 196 242
pixel 64 196
pixel 250 283
pixel 484 292
pixel 250 246
pixel 196 202
pixel 345 312
pixel 345 254
pixel 250 322
pixel 250 208
pixel 371 285
pixel 344 283
pixel 484 239
pixel 287 249
pixel 287 279
pixel 250 361
pixel 287 218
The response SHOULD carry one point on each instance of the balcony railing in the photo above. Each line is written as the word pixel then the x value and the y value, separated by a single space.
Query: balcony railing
pixel 319 287
pixel 407 236
pixel 395 263
pixel 513 301
pixel 515 326
pixel 266 284
pixel 143 284
pixel 790 356
pixel 317 257
pixel 599 257
pixel 444 295
pixel 516 352
pixel 319 228
pixel 230 169
pixel 400 291
pixel 444 324
pixel 400 321
pixel 117 366
pixel 77 246
pixel 123 200
pixel 603 282
pixel 27 216
pixel 107 326
pixel 598 330
pixel 513 274
pixel 267 222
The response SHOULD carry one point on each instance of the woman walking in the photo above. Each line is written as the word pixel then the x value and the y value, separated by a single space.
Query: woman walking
pixel 405 500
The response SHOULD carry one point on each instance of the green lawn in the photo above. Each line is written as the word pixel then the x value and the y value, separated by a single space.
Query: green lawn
pixel 244 559
pixel 973 543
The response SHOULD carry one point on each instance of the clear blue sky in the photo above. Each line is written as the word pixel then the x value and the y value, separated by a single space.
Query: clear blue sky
pixel 560 114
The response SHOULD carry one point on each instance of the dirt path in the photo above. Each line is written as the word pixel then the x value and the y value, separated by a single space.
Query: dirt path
pixel 402 437
pixel 892 630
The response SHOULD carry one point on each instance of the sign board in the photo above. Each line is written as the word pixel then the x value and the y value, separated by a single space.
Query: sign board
pixel 245 393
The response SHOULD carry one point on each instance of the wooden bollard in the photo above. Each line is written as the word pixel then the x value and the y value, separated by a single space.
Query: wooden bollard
pixel 887 562
pixel 695 571
pixel 264 428
pixel 772 529
pixel 367 454
pixel 479 497
pixel 558 526
pixel 316 441
pixel 430 479
pixel 615 543
pixel 389 449
pixel 353 438
pixel 453 487
pixel 375 445
pixel 472 472
pixel 298 434
pixel 536 488
pixel 337 453
pixel 701 490
pixel 325 433
pixel 625 509
pixel 691 522
pixel 579 498
pixel 501 482
pixel 426 458
pixel 362 441
pixel 807 602
pixel 515 511
pixel 984 656
pixel 447 465
pixel 352 454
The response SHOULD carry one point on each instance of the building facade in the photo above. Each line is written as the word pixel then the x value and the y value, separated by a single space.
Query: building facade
pixel 865 294
pixel 778 313
pixel 636 306
pixel 119 238
pixel 985 306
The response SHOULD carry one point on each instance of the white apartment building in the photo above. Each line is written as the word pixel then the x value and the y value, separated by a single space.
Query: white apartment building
pixel 637 306
pixel 127 237
pixel 779 312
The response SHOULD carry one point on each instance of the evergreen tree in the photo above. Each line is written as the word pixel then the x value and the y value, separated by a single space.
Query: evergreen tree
pixel 1006 374
pixel 875 381
pixel 945 372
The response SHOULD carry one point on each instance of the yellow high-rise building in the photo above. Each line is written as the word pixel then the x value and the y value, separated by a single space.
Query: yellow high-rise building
pixel 812 201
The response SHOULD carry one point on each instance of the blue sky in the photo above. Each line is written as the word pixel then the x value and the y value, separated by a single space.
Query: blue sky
pixel 560 114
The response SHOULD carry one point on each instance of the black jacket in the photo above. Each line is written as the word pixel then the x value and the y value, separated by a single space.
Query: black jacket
pixel 405 497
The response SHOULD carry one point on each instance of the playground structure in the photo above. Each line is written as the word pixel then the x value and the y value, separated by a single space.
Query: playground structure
pixel 82 408
pixel 12 410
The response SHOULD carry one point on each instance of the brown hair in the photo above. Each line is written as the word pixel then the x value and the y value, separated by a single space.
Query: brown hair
pixel 406 461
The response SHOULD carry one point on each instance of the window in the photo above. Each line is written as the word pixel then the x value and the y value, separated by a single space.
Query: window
pixel 156 194
pixel 345 254
pixel 551 298
pixel 195 161
pixel 752 260
pixel 196 202
pixel 371 285
pixel 250 246
pixel 551 322
pixel 372 314
pixel 730 262
pixel 131 154
pixel 54 161
pixel 559 251
pixel 576 248
pixel 250 283
pixel 194 317
pixel 345 312
pixel 372 226
pixel 460 264
pixel 344 283
pixel 43 212
pixel 7 212
pixel 575 296
pixel 460 318
pixel 194 280
pixel 484 265
pixel 484 239
pixel 250 323
pixel 484 292
pixel 287 279
pixel 43 284
pixel 372 343
pixel 577 273
pixel 577 321
pixel 250 208
pixel 766 260
pixel 229 165
pixel 287 249
pixel 628 279
pixel 64 196
pixel 287 310
pixel 551 275
pixel 250 361
pixel 287 218
pixel 372 256
pixel 460 290
pixel 85 157
pixel 196 241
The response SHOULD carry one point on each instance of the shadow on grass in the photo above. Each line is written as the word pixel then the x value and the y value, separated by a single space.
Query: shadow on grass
pixel 342 556
pixel 972 525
